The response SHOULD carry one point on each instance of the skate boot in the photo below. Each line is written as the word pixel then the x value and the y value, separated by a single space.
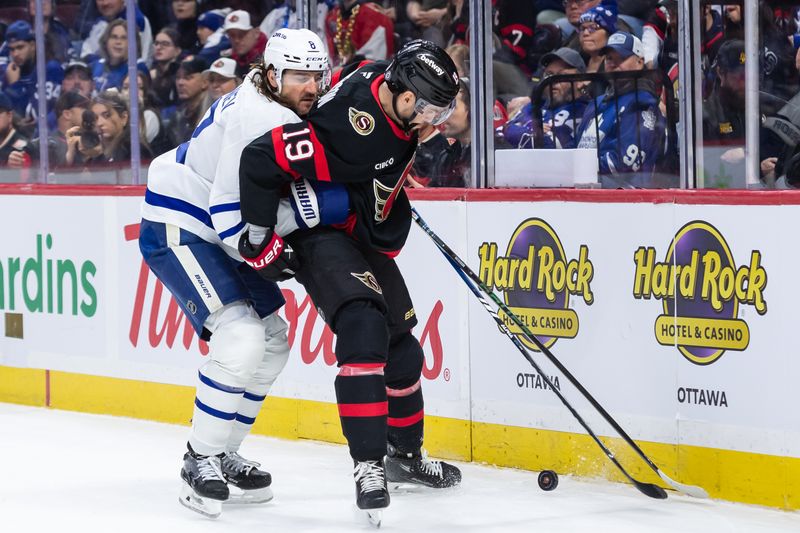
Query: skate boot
pixel 204 487
pixel 417 469
pixel 253 484
pixel 372 496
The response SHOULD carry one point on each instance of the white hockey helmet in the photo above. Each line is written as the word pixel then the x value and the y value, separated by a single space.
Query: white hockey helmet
pixel 298 49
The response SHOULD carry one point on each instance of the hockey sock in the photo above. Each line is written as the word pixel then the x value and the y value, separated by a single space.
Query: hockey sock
pixel 361 395
pixel 406 418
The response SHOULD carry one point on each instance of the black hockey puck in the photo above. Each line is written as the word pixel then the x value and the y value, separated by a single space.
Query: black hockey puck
pixel 548 480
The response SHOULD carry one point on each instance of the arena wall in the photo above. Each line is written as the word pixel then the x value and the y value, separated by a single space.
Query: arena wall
pixel 672 308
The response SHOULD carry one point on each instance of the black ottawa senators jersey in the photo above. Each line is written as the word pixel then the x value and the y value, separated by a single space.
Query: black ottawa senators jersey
pixel 347 138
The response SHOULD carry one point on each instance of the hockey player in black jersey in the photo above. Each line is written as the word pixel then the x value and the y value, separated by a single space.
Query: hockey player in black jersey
pixel 362 133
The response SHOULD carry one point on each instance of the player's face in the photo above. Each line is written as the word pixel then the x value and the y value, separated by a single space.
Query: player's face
pixel 219 85
pixel 458 123
pixel 117 46
pixel 22 52
pixel 109 123
pixel 300 89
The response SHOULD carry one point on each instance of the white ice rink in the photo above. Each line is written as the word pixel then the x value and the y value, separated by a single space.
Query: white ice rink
pixel 64 471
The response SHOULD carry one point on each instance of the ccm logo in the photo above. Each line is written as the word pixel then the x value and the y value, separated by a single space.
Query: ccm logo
pixel 269 256
pixel 381 166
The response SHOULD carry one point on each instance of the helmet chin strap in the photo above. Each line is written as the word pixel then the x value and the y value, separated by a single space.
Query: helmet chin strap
pixel 405 121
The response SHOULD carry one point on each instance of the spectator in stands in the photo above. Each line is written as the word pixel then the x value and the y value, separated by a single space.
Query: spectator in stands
pixel 450 165
pixel 185 14
pixel 152 129
pixel 355 29
pixel 283 15
pixel 112 65
pixel 733 22
pixel 69 114
pixel 625 124
pixel 247 42
pixel 211 36
pixel 166 60
pixel 57 42
pixel 113 126
pixel 111 10
pixel 78 78
pixel 459 53
pixel 19 81
pixel 576 8
pixel 10 138
pixel 429 20
pixel 596 25
pixel 222 78
pixel 779 76
pixel 562 110
pixel 724 112
pixel 193 100
pixel 549 11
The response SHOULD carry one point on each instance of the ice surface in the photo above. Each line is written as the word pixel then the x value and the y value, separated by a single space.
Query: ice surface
pixel 64 471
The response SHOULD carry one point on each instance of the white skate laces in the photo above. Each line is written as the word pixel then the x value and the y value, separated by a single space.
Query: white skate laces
pixel 431 467
pixel 369 475
pixel 235 462
pixel 210 468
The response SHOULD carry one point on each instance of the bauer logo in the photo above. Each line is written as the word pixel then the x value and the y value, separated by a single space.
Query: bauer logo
pixel 537 279
pixel 701 289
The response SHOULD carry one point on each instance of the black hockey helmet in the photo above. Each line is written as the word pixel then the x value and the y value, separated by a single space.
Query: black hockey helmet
pixel 426 70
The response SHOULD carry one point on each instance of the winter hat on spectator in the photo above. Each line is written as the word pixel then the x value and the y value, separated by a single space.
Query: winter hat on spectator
pixel 212 20
pixel 602 16
pixel 224 66
pixel 193 65
pixel 79 66
pixel 5 102
pixel 624 44
pixel 567 55
pixel 19 31
pixel 237 20
pixel 730 55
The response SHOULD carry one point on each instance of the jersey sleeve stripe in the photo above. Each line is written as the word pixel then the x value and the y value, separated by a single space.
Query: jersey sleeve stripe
pixel 176 204
pixel 320 161
pixel 280 152
pixel 221 208
pixel 232 231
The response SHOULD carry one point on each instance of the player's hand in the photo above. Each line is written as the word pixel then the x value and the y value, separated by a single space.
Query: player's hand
pixel 273 259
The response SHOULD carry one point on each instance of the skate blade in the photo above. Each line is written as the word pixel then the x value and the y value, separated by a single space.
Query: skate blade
pixel 374 517
pixel 247 497
pixel 205 506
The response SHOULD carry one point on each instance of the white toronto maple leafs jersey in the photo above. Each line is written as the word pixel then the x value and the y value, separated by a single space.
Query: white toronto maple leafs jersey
pixel 196 185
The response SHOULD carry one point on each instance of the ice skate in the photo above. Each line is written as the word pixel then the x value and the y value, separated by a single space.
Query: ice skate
pixel 372 496
pixel 252 484
pixel 204 488
pixel 418 469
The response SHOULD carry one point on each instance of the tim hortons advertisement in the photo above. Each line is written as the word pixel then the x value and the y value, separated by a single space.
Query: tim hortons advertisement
pixel 158 341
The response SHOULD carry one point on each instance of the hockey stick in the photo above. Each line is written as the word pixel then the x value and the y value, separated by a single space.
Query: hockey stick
pixel 475 283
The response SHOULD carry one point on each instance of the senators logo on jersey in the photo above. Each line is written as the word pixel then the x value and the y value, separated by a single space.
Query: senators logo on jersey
pixel 368 279
pixel 362 122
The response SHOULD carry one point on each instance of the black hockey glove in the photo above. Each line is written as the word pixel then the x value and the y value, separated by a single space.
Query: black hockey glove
pixel 273 259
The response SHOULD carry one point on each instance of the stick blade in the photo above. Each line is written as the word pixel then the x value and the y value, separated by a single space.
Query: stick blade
pixel 692 490
pixel 651 490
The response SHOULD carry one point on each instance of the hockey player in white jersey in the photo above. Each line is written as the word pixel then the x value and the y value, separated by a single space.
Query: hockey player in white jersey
pixel 190 227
